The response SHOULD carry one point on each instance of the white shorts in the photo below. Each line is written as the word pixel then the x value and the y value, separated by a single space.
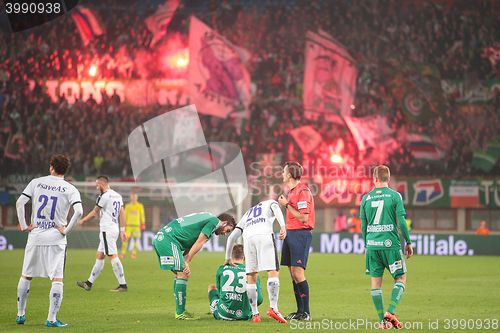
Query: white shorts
pixel 44 261
pixel 107 242
pixel 260 253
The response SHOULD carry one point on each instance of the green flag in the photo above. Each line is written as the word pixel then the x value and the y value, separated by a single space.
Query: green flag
pixel 483 161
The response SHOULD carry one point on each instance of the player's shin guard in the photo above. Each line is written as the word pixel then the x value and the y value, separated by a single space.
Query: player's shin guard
pixel 180 291
pixel 378 301
pixel 273 290
pixel 118 270
pixel 55 298
pixel 23 289
pixel 396 295
pixel 303 288
pixel 298 300
pixel 252 297
pixel 96 270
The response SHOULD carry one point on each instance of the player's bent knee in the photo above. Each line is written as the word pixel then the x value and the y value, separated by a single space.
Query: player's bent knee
pixel 401 278
pixel 100 255
pixel 57 280
pixel 181 275
pixel 211 287
pixel 26 277
pixel 273 274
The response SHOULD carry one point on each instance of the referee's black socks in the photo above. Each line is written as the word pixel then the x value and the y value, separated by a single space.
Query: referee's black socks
pixel 303 293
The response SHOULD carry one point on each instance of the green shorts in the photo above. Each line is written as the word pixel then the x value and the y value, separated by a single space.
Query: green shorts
pixel 169 253
pixel 378 260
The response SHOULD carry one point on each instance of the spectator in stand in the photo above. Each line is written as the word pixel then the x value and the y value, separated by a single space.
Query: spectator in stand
pixel 483 229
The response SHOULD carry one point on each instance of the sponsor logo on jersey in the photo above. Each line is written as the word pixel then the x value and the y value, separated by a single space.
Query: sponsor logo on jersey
pixel 167 260
pixel 302 204
pixel 239 313
pixel 387 243
pixel 45 224
pixel 59 188
pixel 426 192
pixel 380 228
pixel 375 243
pixel 159 236
pixel 397 265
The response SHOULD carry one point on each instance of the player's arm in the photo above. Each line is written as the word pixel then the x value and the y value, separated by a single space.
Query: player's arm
pixel 231 240
pixel 401 216
pixel 23 199
pixel 302 213
pixel 364 221
pixel 93 213
pixel 202 239
pixel 77 214
pixel 21 217
pixel 123 224
pixel 281 220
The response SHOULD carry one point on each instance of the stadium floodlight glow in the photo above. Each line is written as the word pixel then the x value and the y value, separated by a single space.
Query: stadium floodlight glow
pixel 171 148
pixel 336 158
pixel 93 70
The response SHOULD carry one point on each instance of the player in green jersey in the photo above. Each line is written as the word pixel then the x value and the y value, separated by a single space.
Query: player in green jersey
pixel 381 212
pixel 228 299
pixel 178 242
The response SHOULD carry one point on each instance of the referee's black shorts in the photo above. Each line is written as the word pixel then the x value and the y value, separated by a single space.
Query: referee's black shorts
pixel 295 251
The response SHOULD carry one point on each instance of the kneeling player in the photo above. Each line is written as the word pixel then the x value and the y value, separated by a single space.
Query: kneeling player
pixel 230 302
pixel 260 253
pixel 187 233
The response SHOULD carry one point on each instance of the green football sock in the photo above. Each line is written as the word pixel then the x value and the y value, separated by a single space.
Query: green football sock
pixel 397 294
pixel 180 288
pixel 378 301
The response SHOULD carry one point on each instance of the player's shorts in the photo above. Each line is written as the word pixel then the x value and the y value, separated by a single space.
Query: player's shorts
pixel 107 242
pixel 295 251
pixel 213 298
pixel 133 232
pixel 378 260
pixel 260 253
pixel 44 261
pixel 169 253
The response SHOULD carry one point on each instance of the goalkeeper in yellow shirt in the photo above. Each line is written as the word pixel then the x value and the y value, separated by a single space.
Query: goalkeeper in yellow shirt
pixel 134 217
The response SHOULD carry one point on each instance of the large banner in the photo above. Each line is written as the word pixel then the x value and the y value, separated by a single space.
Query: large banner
pixel 138 93
pixel 218 83
pixel 338 243
pixel 329 78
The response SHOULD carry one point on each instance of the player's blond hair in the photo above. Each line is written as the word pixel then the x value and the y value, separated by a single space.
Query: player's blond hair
pixel 382 173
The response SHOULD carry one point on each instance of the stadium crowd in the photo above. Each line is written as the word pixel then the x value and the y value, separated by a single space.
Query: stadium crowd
pixel 447 35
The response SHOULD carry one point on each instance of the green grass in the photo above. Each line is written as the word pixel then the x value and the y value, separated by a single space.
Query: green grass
pixel 438 288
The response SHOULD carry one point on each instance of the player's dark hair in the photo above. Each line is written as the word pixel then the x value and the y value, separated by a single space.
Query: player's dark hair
pixel 295 169
pixel 103 178
pixel 238 252
pixel 226 217
pixel 60 163
pixel 382 173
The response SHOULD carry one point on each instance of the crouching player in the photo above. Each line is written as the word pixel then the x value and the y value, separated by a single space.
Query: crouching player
pixel 228 299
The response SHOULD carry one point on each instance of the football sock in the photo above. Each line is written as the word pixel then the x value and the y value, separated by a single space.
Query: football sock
pixel 180 289
pixel 118 270
pixel 96 270
pixel 397 294
pixel 298 300
pixel 55 297
pixel 273 290
pixel 23 289
pixel 303 289
pixel 252 297
pixel 378 301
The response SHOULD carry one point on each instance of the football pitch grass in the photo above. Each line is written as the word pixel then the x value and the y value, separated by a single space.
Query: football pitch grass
pixel 438 288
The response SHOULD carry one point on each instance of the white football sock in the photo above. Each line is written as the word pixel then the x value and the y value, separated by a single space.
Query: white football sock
pixel 55 297
pixel 273 290
pixel 118 269
pixel 23 288
pixel 252 297
pixel 96 270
